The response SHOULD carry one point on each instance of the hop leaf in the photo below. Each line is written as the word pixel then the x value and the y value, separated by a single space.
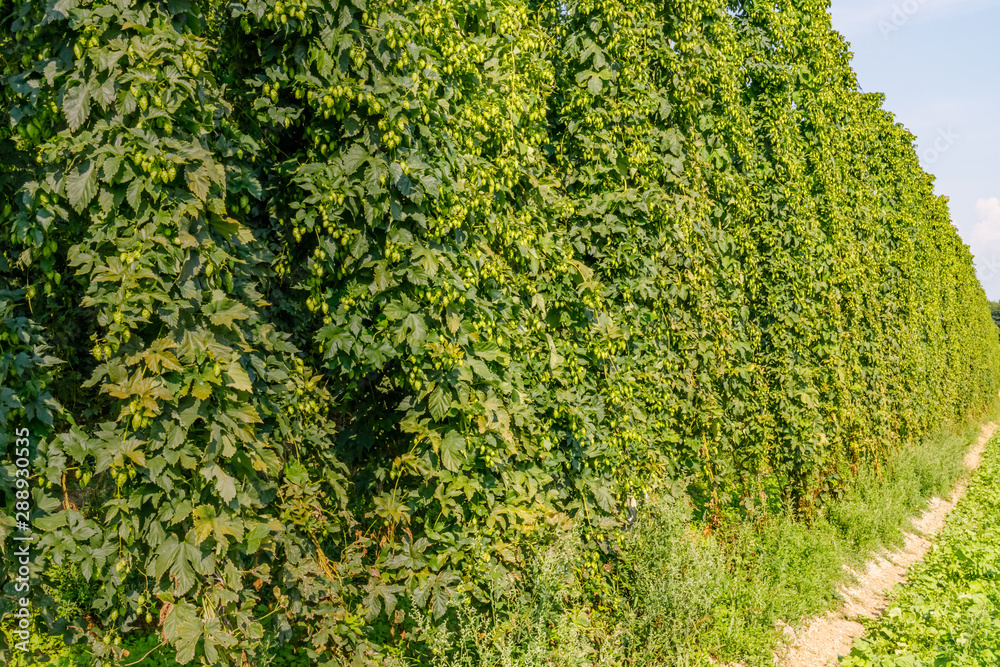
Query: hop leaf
pixel 81 186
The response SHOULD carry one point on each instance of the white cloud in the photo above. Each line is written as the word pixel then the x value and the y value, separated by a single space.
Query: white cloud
pixel 987 229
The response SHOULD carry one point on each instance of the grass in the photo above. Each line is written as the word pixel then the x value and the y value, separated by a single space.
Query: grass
pixel 871 514
pixel 672 595
pixel 948 611
pixel 785 571
pixel 666 593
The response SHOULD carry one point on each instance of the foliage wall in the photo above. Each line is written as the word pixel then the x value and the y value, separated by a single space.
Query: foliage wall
pixel 321 312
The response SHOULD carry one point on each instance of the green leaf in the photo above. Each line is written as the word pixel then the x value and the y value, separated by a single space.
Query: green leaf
pixel 183 629
pixel 453 451
pixel 110 168
pixel 81 186
pixel 413 330
pixel 198 181
pixel 225 484
pixel 238 378
pixel 353 158
pixel 201 389
pixel 159 355
pixel 181 559
pixel 215 636
pixel 76 105
pixel 246 414
pixel 296 473
pixel 207 524
pixel 439 402
pixel 133 193
pixel 224 312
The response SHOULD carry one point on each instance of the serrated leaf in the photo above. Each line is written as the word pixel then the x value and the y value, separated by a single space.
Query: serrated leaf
pixel 352 125
pixel 439 402
pixel 104 94
pixel 110 168
pixel 353 158
pixel 198 181
pixel 246 414
pixel 413 330
pixel 201 389
pixel 224 311
pixel 81 186
pixel 453 451
pixel 296 473
pixel 159 355
pixel 207 524
pixel 76 105
pixel 183 629
pixel 594 85
pixel 133 193
pixel 238 378
pixel 225 485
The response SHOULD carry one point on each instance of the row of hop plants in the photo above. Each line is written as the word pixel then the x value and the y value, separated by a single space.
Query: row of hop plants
pixel 322 313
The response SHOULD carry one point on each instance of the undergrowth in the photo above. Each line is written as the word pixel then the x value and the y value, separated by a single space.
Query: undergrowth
pixel 946 613
pixel 678 594
pixel 666 590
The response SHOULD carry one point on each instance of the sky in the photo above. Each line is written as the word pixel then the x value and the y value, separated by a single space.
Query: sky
pixel 938 63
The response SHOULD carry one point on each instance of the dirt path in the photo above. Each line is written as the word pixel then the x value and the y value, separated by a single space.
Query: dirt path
pixel 822 639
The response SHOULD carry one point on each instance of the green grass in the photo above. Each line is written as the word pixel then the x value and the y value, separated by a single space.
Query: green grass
pixel 871 514
pixel 664 592
pixel 672 595
pixel 784 570
pixel 948 611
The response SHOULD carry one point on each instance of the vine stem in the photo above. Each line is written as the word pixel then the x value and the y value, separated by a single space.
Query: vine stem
pixel 158 646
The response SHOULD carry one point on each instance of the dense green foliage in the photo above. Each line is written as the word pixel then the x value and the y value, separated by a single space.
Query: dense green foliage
pixel 946 613
pixel 683 598
pixel 324 315
pixel 679 597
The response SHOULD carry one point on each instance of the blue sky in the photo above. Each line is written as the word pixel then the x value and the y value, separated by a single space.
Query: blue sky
pixel 938 63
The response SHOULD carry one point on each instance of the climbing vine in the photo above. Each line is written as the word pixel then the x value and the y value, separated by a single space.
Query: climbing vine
pixel 322 312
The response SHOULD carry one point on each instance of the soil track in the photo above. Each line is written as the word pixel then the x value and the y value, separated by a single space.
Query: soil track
pixel 821 640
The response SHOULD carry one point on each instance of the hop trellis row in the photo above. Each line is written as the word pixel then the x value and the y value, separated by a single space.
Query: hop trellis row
pixel 318 298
